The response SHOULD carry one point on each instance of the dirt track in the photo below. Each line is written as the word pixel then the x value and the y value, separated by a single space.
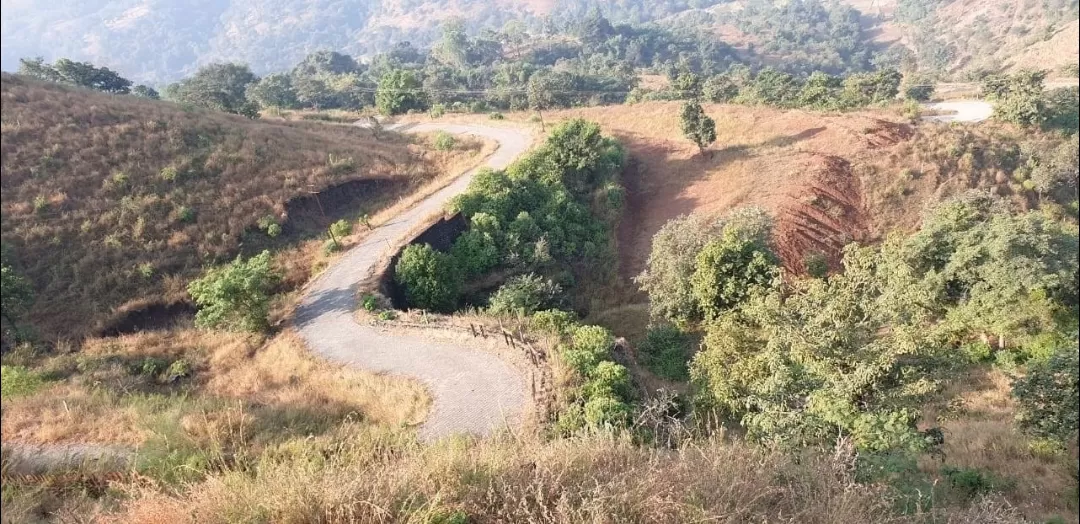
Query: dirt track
pixel 472 391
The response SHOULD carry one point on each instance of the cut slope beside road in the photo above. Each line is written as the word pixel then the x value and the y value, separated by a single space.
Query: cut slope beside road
pixel 473 391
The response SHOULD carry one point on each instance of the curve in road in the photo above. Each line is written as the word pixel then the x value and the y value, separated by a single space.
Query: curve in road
pixel 472 391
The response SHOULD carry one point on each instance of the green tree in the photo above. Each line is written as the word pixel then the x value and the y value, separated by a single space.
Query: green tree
pixel 273 90
pixel 145 91
pixel 696 125
pixel 221 87
pixel 729 269
pixel 398 92
pixel 720 89
pixel 861 89
pixel 431 278
pixel 235 296
pixel 82 74
pixel 822 358
pixel 322 63
pixel 524 295
pixel 820 91
pixel 1048 396
pixel 16 298
pixel 1018 98
pixel 1063 109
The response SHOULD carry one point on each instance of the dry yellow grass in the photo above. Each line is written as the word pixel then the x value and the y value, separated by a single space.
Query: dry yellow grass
pixel 978 418
pixel 107 395
pixel 112 202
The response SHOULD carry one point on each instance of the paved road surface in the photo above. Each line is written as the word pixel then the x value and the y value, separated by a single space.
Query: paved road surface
pixel 960 111
pixel 472 391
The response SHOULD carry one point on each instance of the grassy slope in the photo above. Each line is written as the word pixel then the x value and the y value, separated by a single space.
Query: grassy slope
pixel 93 219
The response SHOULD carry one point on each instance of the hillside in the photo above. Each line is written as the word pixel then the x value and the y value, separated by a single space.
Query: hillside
pixel 158 41
pixel 113 202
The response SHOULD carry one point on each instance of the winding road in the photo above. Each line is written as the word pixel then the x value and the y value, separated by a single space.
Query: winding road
pixel 472 391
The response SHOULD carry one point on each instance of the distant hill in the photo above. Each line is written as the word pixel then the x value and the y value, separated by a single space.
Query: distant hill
pixel 158 41
pixel 112 202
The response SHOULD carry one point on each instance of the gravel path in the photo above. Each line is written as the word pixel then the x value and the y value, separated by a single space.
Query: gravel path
pixel 960 111
pixel 472 391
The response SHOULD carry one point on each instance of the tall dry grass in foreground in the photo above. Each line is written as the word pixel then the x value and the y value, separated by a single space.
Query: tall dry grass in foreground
pixel 201 388
pixel 376 478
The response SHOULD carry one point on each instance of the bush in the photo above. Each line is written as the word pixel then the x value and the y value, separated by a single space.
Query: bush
pixel 17 381
pixel 437 111
pixel 341 228
pixel 369 302
pixel 496 116
pixel 180 368
pixel 728 270
pixel 919 92
pixel 185 214
pixel 589 345
pixel 606 411
pixel 169 174
pixel 430 278
pixel 665 352
pixel 444 141
pixel 273 230
pixel 816 265
pixel 969 482
pixel 236 296
pixel 554 321
pixel 1047 396
pixel 608 379
pixel 523 295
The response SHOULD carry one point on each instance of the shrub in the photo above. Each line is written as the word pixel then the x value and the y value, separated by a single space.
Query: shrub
pixel 151 367
pixel 273 230
pixel 437 111
pixel 185 214
pixel 554 321
pixel 1047 396
pixel 169 174
pixel 341 228
pixel 17 381
pixel 496 116
pixel 369 302
pixel 444 141
pixel 606 411
pixel 236 296
pixel 145 270
pixel 523 295
pixel 919 92
pixel 969 482
pixel 728 270
pixel 589 345
pixel 331 246
pixel 816 265
pixel 665 352
pixel 41 204
pixel 180 368
pixel 430 278
pixel 608 379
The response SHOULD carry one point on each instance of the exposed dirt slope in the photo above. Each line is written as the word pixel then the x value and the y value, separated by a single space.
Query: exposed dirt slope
pixel 112 201
pixel 799 165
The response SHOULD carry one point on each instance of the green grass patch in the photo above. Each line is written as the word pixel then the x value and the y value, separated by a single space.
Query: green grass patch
pixel 18 381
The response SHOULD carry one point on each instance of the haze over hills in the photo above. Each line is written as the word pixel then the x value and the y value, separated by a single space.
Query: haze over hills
pixel 163 40
pixel 159 41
